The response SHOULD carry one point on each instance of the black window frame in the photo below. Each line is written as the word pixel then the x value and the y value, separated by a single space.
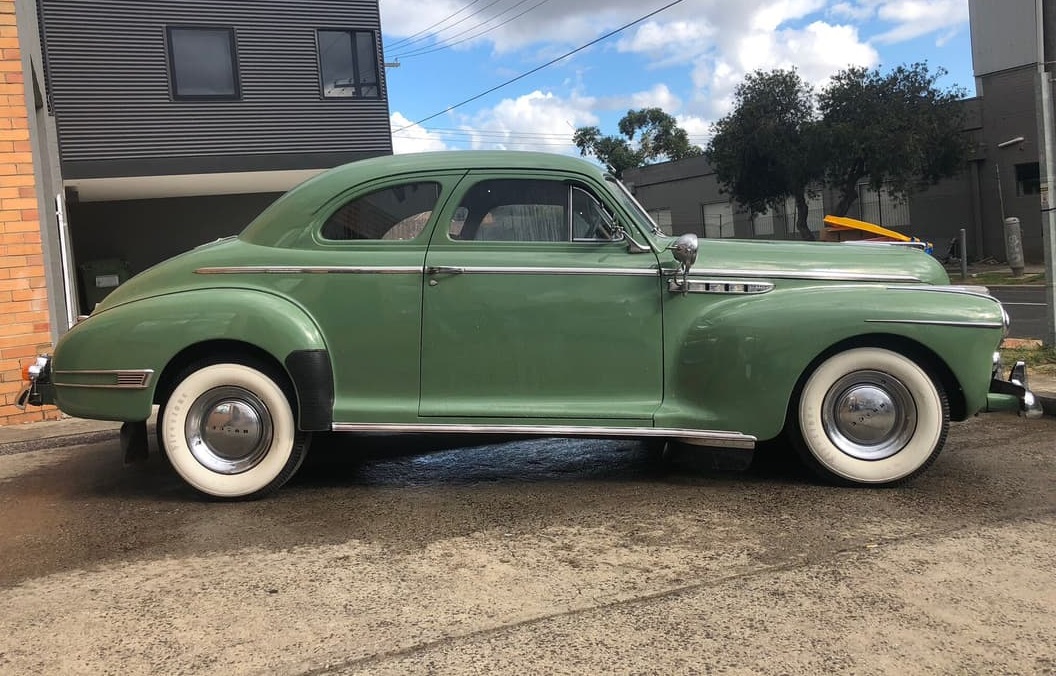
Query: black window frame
pixel 358 86
pixel 236 95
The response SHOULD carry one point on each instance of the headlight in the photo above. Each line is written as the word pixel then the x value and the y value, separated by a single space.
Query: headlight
pixel 1006 321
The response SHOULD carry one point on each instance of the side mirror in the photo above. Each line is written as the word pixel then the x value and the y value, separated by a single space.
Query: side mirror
pixel 685 252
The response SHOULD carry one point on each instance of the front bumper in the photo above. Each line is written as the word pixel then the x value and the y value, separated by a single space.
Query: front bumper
pixel 1012 394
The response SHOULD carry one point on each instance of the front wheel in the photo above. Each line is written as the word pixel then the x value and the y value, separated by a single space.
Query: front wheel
pixel 229 430
pixel 869 416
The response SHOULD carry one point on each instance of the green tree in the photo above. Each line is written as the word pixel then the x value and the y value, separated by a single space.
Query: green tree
pixel 767 148
pixel 646 135
pixel 896 130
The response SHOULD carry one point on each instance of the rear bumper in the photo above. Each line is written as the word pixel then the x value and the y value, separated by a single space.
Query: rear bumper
pixel 40 391
pixel 1012 394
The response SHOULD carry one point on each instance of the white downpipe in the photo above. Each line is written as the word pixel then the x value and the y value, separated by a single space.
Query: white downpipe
pixel 68 280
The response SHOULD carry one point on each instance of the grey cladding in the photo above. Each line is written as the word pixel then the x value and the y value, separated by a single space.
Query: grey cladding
pixel 111 81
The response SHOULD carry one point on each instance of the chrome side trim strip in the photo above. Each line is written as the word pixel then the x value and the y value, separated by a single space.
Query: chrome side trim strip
pixel 977 291
pixel 938 322
pixel 714 438
pixel 719 286
pixel 124 379
pixel 416 270
pixel 821 275
pixel 616 272
pixel 311 270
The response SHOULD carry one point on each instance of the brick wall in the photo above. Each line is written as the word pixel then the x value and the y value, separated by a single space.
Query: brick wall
pixel 24 327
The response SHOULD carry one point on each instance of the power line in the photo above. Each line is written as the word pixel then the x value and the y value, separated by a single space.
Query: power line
pixel 409 41
pixel 410 38
pixel 545 65
pixel 484 134
pixel 449 45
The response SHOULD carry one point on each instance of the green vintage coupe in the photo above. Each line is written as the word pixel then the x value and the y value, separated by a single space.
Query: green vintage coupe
pixel 510 293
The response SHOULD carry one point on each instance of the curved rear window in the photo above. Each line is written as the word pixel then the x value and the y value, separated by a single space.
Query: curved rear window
pixel 399 212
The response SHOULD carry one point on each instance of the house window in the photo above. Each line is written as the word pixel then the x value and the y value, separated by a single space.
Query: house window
pixel 202 62
pixel 348 64
pixel 718 219
pixel 1028 179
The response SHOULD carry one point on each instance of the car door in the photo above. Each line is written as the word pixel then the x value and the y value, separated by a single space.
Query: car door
pixel 532 311
pixel 361 280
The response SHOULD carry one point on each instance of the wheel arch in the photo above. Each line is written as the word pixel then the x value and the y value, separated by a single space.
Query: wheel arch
pixel 306 375
pixel 934 365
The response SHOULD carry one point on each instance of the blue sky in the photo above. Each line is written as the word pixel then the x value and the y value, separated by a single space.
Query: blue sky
pixel 686 59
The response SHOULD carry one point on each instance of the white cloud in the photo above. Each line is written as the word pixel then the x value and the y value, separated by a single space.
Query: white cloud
pixel 533 121
pixel 412 138
pixel 816 51
pixel 771 15
pixel 657 38
pixel 914 18
pixel 657 97
pixel 698 129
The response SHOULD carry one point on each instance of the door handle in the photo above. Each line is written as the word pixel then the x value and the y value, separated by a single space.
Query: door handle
pixel 444 270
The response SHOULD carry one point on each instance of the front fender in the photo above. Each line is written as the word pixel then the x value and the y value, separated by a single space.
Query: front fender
pixel 733 362
pixel 143 336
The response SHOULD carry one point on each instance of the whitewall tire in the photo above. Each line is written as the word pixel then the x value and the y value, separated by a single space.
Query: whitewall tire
pixel 870 416
pixel 229 430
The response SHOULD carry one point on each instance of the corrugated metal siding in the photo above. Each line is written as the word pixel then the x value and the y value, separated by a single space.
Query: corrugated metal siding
pixel 109 78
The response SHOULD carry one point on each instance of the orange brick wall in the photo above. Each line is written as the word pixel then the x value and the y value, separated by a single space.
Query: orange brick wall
pixel 24 328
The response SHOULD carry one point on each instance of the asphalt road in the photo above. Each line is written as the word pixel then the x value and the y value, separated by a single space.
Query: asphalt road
pixel 1026 308
pixel 542 556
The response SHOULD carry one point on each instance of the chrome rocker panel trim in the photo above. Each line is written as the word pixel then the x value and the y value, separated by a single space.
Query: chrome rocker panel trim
pixel 697 437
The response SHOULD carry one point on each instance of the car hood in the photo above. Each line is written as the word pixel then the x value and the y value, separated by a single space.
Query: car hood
pixel 813 260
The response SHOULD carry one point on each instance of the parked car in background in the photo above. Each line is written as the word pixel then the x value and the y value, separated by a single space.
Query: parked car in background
pixel 509 293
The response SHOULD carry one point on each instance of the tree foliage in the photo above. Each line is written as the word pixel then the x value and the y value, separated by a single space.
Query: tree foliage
pixel 897 130
pixel 646 135
pixel 767 148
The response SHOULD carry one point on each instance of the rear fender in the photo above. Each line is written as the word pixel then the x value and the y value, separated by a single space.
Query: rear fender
pixel 145 335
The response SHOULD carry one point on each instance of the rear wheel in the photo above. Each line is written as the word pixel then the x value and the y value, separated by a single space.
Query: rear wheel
pixel 230 431
pixel 870 416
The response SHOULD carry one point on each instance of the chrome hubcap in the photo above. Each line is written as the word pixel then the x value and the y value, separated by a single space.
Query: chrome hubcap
pixel 228 430
pixel 869 415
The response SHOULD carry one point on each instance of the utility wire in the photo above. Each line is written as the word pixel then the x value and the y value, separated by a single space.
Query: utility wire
pixel 449 45
pixel 410 38
pixel 499 134
pixel 545 65
pixel 409 41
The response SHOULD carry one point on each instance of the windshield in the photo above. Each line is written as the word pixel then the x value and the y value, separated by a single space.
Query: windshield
pixel 629 203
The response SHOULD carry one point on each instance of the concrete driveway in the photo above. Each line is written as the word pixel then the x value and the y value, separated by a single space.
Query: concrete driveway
pixel 542 556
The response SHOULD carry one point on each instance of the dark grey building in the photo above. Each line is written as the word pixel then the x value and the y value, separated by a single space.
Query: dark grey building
pixel 179 120
pixel 1004 175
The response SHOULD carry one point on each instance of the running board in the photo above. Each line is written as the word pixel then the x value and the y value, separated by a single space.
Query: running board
pixel 694 437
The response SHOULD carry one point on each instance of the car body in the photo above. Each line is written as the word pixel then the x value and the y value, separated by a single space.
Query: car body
pixel 505 292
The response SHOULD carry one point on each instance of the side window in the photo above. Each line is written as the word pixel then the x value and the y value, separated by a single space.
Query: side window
pixel 396 213
pixel 514 210
pixel 590 221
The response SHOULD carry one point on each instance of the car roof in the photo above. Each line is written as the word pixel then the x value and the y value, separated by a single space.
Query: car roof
pixel 297 206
